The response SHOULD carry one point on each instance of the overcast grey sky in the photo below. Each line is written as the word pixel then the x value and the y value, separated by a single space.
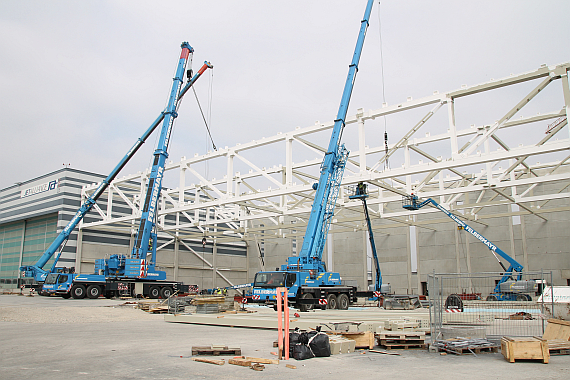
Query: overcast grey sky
pixel 80 81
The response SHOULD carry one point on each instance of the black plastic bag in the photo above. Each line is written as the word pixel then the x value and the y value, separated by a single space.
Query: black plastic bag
pixel 302 352
pixel 294 339
pixel 320 345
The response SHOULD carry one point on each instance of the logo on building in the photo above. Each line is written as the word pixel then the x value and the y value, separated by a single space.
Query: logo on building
pixel 40 188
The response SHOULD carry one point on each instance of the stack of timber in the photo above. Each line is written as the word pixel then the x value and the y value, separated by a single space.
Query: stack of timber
pixel 209 361
pixel 557 335
pixel 212 304
pixel 407 324
pixel 402 339
pixel 465 346
pixel 154 307
pixel 254 363
pixel 514 348
pixel 216 350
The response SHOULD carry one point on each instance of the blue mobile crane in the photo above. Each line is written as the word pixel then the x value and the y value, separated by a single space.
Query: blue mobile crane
pixel 510 287
pixel 305 276
pixel 118 273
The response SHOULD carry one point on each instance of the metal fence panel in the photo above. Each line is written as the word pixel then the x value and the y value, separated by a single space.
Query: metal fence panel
pixel 476 305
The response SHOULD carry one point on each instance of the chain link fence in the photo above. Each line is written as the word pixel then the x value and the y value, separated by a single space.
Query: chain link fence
pixel 484 305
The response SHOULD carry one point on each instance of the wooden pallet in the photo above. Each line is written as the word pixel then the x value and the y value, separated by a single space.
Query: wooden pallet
pixel 403 340
pixel 559 351
pixel 471 350
pixel 216 350
pixel 405 346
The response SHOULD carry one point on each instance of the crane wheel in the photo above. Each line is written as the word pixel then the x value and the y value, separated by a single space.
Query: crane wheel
pixel 165 292
pixel 93 291
pixel 154 292
pixel 342 301
pixel 306 307
pixel 491 297
pixel 78 291
pixel 331 301
pixel 524 297
pixel 66 296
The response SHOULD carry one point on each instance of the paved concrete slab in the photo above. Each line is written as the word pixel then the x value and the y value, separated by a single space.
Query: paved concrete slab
pixel 264 317
pixel 145 347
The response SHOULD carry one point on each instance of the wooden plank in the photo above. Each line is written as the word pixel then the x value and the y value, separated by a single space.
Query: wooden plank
pixel 557 329
pixel 403 335
pixel 558 344
pixel 384 352
pixel 240 362
pixel 262 360
pixel 209 361
pixel 390 345
pixel 290 366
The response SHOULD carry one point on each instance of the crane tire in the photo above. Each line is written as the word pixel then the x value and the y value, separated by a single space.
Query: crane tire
pixel 332 301
pixel 78 291
pixel 93 291
pixel 154 292
pixel 306 307
pixel 524 297
pixel 165 292
pixel 342 301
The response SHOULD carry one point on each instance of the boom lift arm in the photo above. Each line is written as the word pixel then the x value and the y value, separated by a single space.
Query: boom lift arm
pixel 411 202
pixel 58 244
pixel 361 193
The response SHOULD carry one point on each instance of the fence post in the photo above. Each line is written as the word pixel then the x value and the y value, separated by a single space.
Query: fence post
pixel 279 325
pixel 282 326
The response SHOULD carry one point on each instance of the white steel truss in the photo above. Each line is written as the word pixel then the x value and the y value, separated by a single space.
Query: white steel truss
pixel 467 166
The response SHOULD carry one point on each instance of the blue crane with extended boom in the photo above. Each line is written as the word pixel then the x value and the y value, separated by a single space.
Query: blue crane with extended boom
pixel 305 276
pixel 119 267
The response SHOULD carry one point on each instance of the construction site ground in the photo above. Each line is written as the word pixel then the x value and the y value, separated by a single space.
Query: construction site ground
pixel 54 338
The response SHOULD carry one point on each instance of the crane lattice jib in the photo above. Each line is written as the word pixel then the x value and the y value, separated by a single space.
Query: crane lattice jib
pixel 329 201
pixel 315 236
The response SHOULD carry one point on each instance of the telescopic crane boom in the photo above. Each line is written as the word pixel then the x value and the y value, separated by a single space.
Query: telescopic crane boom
pixel 36 271
pixel 306 275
